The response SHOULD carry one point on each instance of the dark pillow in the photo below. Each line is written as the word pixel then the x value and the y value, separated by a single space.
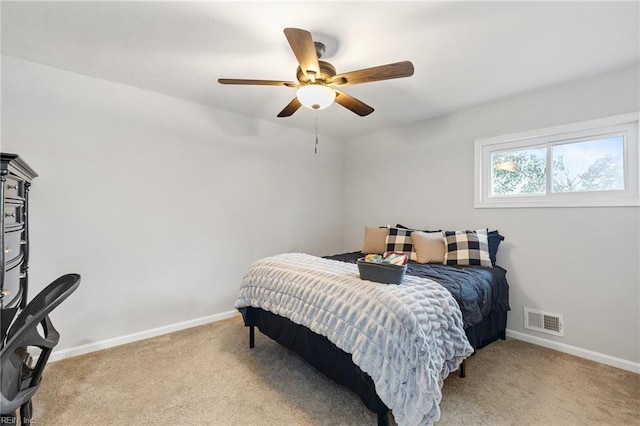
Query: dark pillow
pixel 413 229
pixel 494 241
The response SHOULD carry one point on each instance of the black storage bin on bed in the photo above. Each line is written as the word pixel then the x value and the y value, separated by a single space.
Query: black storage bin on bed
pixel 386 273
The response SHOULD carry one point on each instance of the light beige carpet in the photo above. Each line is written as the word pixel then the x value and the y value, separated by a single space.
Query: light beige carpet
pixel 208 376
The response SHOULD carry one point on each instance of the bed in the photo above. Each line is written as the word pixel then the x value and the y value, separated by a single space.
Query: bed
pixel 474 299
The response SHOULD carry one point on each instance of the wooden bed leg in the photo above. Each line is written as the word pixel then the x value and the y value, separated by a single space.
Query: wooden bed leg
pixel 383 419
pixel 252 336
pixel 463 373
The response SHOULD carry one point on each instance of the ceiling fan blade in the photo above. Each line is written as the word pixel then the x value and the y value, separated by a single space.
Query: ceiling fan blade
pixel 257 82
pixel 302 45
pixel 367 75
pixel 290 108
pixel 352 104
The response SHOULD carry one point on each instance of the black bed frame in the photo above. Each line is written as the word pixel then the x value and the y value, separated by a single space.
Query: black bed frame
pixel 336 364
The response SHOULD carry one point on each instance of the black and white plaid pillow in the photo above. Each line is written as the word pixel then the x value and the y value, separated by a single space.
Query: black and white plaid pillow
pixel 399 241
pixel 467 248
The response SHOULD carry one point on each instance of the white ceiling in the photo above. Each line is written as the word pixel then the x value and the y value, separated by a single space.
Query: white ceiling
pixel 464 53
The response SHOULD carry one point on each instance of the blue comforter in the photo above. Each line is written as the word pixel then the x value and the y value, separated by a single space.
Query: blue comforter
pixel 478 290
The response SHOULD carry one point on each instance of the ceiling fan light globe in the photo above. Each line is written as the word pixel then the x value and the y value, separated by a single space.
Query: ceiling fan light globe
pixel 316 96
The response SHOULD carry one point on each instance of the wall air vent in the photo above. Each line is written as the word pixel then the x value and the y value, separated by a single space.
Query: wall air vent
pixel 544 322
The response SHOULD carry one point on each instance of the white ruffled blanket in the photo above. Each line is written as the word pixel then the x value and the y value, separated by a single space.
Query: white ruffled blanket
pixel 407 337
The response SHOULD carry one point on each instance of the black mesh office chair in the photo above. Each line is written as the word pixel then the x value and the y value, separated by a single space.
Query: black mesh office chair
pixel 18 382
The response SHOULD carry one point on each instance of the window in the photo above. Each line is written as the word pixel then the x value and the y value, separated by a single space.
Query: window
pixel 592 163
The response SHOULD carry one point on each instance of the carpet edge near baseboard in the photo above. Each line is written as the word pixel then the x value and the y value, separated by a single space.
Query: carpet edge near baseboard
pixel 601 358
pixel 141 335
pixel 623 364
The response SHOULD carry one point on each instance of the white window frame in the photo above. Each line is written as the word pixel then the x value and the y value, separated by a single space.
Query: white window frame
pixel 625 124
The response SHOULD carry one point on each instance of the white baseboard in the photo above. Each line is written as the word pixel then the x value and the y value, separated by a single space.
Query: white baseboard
pixel 579 352
pixel 117 341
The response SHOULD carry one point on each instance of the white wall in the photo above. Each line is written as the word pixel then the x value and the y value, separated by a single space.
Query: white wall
pixel 161 204
pixel 158 203
pixel 580 262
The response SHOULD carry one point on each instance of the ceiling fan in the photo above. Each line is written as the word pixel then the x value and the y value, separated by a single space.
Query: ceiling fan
pixel 318 81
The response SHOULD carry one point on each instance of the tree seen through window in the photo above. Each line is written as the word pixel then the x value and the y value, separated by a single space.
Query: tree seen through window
pixel 595 165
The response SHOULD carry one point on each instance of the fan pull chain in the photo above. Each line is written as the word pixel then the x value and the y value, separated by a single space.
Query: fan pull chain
pixel 316 147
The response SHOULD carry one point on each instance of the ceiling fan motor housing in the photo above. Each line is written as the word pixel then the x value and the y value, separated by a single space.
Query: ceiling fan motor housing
pixel 327 71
